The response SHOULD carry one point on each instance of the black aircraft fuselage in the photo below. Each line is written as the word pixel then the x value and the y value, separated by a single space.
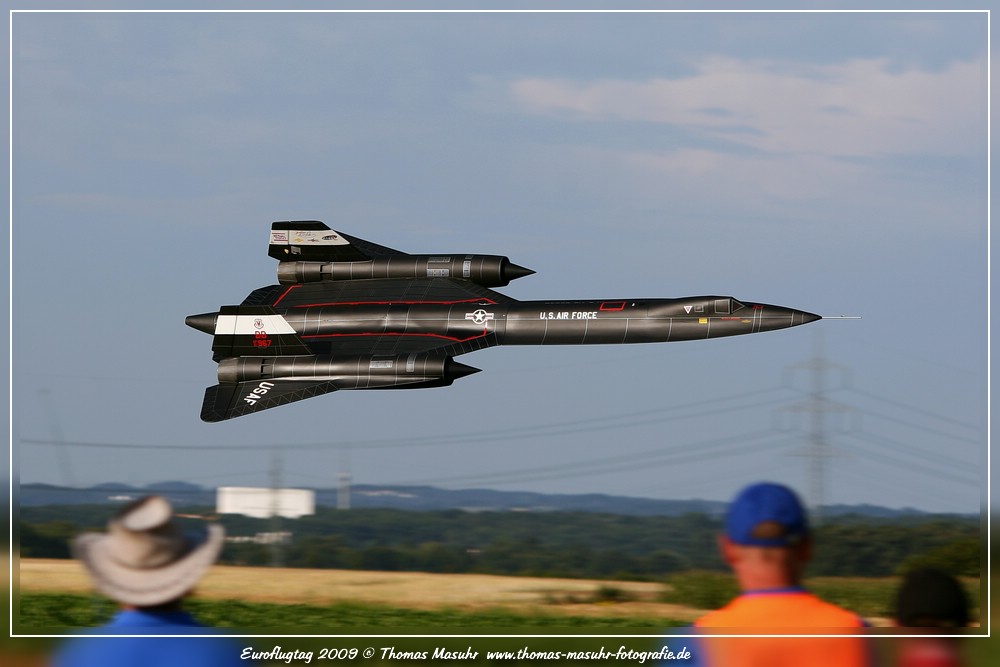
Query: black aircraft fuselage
pixel 353 315
pixel 612 321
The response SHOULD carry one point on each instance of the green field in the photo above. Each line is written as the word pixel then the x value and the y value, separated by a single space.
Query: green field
pixel 347 624
pixel 279 611
pixel 868 597
pixel 43 613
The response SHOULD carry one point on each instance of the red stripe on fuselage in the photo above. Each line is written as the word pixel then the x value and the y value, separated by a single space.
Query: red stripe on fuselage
pixel 485 302
pixel 284 294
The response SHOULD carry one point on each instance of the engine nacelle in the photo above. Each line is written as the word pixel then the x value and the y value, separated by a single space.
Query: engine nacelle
pixel 360 372
pixel 485 270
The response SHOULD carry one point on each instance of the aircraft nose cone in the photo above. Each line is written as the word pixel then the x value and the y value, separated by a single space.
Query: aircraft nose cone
pixel 204 322
pixel 780 317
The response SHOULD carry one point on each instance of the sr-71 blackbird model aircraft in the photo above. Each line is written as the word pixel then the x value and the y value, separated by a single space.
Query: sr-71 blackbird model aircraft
pixel 350 314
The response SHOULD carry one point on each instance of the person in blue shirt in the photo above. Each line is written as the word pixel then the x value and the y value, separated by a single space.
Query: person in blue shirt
pixel 147 564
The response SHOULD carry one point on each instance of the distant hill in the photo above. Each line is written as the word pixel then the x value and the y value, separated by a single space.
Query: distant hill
pixel 421 498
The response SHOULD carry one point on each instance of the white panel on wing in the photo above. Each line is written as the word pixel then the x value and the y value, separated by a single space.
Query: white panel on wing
pixel 248 325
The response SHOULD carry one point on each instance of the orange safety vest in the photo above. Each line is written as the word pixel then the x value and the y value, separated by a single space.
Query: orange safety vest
pixel 782 612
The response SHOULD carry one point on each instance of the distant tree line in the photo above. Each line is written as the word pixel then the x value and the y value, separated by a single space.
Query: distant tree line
pixel 559 544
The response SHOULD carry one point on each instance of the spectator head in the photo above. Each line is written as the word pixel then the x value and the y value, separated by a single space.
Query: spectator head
pixel 766 515
pixel 145 559
pixel 930 598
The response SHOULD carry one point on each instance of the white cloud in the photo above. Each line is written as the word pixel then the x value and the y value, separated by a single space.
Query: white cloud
pixel 860 142
pixel 858 108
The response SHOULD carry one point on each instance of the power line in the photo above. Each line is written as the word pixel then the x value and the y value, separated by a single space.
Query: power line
pixel 816 404
pixel 921 428
pixel 691 453
pixel 923 412
pixel 912 465
pixel 909 452
pixel 630 419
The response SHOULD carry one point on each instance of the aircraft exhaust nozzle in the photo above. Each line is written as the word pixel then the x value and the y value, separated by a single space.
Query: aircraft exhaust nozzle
pixel 513 271
pixel 455 369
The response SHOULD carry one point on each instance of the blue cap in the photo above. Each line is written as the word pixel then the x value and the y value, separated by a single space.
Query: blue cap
pixel 766 515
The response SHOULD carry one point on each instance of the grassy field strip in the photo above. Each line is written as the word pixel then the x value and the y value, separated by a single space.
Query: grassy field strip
pixel 413 590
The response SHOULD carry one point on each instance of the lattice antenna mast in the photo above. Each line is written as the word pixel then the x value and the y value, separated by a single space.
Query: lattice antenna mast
pixel 819 407
pixel 62 452
pixel 344 479
pixel 277 555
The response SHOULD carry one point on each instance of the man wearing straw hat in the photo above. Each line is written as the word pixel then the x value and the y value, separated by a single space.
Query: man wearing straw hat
pixel 148 565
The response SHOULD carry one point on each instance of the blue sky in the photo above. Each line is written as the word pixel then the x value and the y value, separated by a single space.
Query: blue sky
pixel 832 162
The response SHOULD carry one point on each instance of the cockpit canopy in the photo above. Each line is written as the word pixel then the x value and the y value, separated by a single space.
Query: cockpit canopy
pixel 698 306
pixel 713 305
pixel 726 306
